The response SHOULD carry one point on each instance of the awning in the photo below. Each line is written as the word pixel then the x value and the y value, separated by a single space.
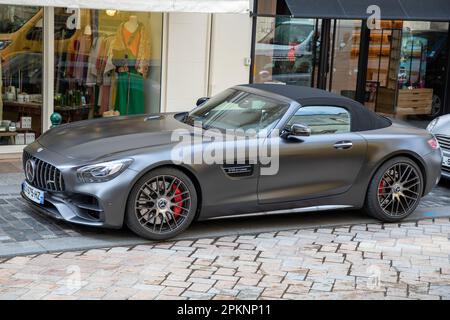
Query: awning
pixel 428 10
pixel 211 6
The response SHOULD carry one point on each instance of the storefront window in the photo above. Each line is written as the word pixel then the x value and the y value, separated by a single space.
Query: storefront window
pixel 423 63
pixel 407 68
pixel 107 63
pixel 285 50
pixel 21 74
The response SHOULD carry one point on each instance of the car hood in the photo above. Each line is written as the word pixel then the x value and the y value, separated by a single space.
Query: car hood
pixel 95 139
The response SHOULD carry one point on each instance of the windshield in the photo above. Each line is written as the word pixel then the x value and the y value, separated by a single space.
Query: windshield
pixel 12 18
pixel 234 109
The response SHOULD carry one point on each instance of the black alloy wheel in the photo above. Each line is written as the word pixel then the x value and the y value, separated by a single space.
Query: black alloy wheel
pixel 162 204
pixel 395 190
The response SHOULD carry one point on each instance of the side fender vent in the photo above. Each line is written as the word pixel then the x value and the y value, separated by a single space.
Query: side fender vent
pixel 238 170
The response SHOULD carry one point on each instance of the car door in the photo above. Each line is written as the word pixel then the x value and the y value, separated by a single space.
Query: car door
pixel 325 163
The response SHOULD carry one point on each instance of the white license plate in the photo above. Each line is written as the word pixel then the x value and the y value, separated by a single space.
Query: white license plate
pixel 32 193
pixel 446 162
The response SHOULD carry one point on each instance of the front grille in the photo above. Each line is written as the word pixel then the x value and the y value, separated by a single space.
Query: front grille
pixel 46 176
pixel 444 141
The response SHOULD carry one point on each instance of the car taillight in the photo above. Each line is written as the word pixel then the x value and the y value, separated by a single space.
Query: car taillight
pixel 434 144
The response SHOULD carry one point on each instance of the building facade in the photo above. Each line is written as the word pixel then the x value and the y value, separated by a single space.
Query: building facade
pixel 88 62
pixel 146 56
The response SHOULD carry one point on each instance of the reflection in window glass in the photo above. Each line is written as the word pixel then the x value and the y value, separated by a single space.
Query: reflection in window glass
pixel 323 120
pixel 346 40
pixel 108 63
pixel 407 68
pixel 233 109
pixel 423 62
pixel 285 50
pixel 21 74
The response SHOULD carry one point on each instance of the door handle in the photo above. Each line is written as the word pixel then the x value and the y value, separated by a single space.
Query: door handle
pixel 342 145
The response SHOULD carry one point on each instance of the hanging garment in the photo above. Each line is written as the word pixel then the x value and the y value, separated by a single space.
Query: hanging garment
pixel 70 59
pixel 113 93
pixel 102 58
pixel 91 78
pixel 130 92
pixel 104 98
pixel 81 58
pixel 1 90
pixel 136 44
pixel 104 70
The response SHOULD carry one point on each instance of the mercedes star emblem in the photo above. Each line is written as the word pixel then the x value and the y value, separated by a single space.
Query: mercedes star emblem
pixel 30 169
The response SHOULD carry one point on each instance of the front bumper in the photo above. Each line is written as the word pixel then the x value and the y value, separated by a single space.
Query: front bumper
pixel 63 209
pixel 433 163
pixel 92 204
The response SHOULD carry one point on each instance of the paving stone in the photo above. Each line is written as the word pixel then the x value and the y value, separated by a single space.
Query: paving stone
pixel 375 261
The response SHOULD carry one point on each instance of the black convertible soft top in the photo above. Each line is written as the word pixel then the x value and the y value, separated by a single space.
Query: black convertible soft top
pixel 363 119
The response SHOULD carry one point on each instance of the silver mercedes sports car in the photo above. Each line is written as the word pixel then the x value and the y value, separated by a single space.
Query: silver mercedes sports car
pixel 327 152
pixel 440 127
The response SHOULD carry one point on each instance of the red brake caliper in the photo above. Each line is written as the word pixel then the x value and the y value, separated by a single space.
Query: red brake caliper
pixel 178 199
pixel 381 187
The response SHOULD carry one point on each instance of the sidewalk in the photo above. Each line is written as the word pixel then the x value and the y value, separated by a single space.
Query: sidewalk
pixel 368 261
pixel 11 176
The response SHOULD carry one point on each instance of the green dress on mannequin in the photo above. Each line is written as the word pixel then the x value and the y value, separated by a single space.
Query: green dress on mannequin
pixel 131 49
pixel 130 92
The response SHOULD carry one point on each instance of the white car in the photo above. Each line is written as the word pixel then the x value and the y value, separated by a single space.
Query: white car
pixel 440 127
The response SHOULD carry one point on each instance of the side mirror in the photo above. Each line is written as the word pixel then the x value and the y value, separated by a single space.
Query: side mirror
pixel 202 101
pixel 300 130
pixel 296 130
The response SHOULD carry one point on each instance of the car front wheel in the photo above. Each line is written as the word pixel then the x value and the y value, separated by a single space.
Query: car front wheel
pixel 395 190
pixel 162 204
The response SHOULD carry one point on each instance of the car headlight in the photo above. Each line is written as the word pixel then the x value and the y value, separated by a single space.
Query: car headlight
pixel 432 125
pixel 102 172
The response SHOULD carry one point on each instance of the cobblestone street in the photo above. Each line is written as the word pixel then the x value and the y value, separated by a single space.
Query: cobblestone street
pixel 371 261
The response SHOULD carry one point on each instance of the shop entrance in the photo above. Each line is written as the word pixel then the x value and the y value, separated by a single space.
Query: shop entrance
pixel 404 65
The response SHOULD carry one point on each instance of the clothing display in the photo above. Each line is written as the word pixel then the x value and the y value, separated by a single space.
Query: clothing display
pixel 110 67
pixel 131 56
pixel 82 48
pixel 1 90
pixel 136 44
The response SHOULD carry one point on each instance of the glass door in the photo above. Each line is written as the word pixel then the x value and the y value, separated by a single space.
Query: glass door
pixel 345 45
pixel 287 51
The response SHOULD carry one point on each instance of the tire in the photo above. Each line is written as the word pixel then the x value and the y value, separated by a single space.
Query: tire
pixel 395 190
pixel 162 204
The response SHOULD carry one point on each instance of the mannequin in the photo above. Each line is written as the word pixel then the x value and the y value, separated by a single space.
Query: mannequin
pixel 88 30
pixel 132 24
pixel 131 56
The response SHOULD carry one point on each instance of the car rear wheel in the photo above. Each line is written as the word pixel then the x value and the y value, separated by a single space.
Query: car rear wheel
pixel 162 204
pixel 395 190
